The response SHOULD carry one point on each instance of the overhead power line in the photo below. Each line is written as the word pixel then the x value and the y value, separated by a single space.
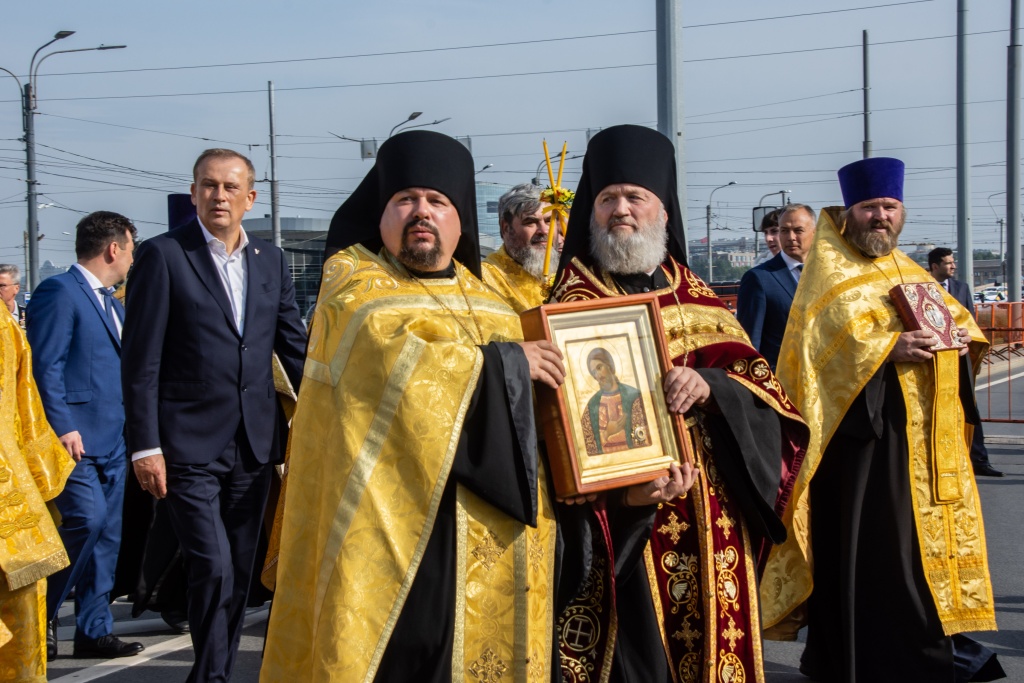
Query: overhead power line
pixel 561 71
pixel 516 43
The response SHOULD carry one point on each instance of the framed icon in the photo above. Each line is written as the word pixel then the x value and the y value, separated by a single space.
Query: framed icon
pixel 608 425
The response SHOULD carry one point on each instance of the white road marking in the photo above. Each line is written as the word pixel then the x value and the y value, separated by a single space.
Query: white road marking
pixel 982 387
pixel 110 666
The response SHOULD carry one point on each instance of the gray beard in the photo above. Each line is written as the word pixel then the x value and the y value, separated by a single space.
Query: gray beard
pixel 531 258
pixel 628 254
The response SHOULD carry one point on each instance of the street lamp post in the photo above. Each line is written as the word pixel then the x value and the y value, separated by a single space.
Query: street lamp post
pixel 28 106
pixel 710 265
pixel 999 220
pixel 484 169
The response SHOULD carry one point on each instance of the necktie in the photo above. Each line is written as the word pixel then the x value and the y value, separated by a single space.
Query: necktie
pixel 945 283
pixel 799 267
pixel 108 304
pixel 796 271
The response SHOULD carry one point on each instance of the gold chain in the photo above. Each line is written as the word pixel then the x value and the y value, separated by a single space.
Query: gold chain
pixel 469 307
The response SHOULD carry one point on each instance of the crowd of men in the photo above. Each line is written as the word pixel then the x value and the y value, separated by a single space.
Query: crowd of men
pixel 417 534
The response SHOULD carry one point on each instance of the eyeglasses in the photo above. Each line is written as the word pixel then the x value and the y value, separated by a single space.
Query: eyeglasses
pixel 16 284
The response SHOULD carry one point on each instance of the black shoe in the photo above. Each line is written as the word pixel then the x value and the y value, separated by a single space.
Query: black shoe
pixel 178 621
pixel 986 470
pixel 105 647
pixel 51 640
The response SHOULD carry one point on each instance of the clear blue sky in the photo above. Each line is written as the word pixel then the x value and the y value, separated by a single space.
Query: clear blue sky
pixel 91 157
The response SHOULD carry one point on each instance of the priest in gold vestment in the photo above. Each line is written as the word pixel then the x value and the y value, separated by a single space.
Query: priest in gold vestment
pixel 516 270
pixel 885 557
pixel 418 538
pixel 33 468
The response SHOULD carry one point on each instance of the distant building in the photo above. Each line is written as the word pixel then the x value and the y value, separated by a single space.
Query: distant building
pixel 49 269
pixel 487 196
pixel 303 241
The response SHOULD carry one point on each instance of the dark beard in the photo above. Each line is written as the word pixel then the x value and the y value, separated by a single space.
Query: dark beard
pixel 417 259
pixel 871 244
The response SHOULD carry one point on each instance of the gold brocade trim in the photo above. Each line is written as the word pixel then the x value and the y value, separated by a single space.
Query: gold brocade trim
pixel 521 639
pixel 23 634
pixel 951 536
pixel 753 606
pixel 491 625
pixel 461 553
pixel 947 427
pixel 706 543
pixel 364 464
pixel 54 559
pixel 428 525
pixel 659 614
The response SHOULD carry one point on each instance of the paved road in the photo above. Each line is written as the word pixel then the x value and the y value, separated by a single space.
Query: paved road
pixel 1003 508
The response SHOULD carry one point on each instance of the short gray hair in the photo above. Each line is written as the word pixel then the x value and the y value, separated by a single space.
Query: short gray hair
pixel 520 200
pixel 798 207
pixel 12 270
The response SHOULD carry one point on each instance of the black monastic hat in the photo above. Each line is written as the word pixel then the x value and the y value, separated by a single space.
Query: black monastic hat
pixel 418 158
pixel 625 154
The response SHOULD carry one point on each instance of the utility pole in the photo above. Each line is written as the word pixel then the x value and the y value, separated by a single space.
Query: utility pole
pixel 275 216
pixel 28 125
pixel 867 103
pixel 964 237
pixel 1013 156
pixel 710 264
pixel 669 24
pixel 708 217
pixel 1002 261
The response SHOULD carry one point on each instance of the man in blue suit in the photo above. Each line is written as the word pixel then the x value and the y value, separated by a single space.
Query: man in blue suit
pixel 208 306
pixel 766 291
pixel 74 329
pixel 942 266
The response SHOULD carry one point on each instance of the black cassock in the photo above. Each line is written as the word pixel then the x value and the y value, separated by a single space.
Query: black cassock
pixel 496 459
pixel 871 616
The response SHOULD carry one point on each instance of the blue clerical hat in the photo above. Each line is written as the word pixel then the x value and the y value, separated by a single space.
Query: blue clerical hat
pixel 872 178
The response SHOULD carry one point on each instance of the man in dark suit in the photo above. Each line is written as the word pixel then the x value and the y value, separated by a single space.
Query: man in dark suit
pixel 942 266
pixel 766 291
pixel 75 333
pixel 207 307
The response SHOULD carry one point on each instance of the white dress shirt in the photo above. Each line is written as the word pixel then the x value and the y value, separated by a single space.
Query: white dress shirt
pixel 794 266
pixel 233 270
pixel 96 286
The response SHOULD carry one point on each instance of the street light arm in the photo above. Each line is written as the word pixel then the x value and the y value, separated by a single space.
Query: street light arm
pixel 418 125
pixel 34 73
pixel 994 194
pixel 36 54
pixel 11 74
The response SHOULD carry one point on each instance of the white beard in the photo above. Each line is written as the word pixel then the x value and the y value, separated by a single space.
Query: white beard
pixel 628 253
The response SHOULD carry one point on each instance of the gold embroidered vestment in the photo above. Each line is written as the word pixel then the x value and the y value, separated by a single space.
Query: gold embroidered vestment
pixel 841 328
pixel 392 365
pixel 33 468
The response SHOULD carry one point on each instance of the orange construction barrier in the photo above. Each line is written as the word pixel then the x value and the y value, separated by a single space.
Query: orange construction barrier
pixel 1003 325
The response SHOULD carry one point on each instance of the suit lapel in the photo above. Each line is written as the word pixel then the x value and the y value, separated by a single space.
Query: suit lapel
pixel 254 275
pixel 198 254
pixel 783 276
pixel 90 294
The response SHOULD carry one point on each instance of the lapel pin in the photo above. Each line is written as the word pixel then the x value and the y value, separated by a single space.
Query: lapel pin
pixel 256 250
